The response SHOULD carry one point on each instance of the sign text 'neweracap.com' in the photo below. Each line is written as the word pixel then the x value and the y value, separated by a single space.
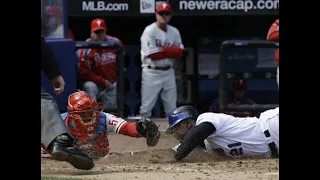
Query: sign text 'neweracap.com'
pixel 228 5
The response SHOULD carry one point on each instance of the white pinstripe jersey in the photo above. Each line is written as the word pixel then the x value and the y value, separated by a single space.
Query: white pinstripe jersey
pixel 152 38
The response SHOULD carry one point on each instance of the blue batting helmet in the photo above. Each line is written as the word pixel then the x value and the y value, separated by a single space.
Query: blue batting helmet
pixel 181 113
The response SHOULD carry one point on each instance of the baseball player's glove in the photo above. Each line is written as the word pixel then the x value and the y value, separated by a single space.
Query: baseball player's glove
pixel 148 129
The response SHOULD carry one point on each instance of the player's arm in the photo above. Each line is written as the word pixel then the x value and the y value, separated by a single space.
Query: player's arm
pixel 194 138
pixel 49 64
pixel 148 45
pixel 149 48
pixel 177 50
pixel 85 68
pixel 129 129
pixel 273 33
pixel 119 42
pixel 120 126
pixel 142 128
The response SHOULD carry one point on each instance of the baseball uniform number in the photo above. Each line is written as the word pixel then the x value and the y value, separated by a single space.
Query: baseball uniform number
pixel 236 149
pixel 112 122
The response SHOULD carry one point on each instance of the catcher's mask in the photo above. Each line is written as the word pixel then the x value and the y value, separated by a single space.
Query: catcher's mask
pixel 81 108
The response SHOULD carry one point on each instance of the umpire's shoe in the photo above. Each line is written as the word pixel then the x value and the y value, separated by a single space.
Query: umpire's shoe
pixel 62 150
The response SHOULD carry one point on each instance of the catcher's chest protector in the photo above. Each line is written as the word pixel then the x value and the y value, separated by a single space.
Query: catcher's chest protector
pixel 98 141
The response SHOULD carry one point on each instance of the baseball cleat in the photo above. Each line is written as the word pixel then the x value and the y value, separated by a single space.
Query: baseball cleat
pixel 62 150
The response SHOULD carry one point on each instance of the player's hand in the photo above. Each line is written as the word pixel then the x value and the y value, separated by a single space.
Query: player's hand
pixel 109 86
pixel 148 129
pixel 58 84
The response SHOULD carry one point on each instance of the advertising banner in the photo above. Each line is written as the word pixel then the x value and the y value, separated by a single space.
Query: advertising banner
pixel 100 8
pixel 180 7
pixel 225 7
pixel 149 6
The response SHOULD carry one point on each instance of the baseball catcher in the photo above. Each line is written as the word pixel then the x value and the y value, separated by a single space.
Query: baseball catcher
pixel 90 126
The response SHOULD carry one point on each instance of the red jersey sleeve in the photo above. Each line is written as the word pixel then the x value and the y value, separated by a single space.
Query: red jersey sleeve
pixel 85 68
pixel 175 52
pixel 157 56
pixel 108 36
pixel 129 129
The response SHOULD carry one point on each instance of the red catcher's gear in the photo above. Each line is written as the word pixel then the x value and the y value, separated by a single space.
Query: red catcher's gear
pixel 81 108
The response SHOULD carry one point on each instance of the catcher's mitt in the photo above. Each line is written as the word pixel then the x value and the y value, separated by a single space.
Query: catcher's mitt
pixel 148 129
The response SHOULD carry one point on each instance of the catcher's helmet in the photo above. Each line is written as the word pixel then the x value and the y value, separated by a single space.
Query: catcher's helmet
pixel 181 113
pixel 82 109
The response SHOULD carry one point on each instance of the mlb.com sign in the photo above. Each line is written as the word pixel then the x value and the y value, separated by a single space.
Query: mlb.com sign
pixel 104 6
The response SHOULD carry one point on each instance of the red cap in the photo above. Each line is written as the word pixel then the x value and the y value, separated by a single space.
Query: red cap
pixel 98 24
pixel 164 7
pixel 240 84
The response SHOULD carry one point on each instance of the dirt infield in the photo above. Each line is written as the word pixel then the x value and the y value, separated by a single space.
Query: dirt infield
pixel 155 164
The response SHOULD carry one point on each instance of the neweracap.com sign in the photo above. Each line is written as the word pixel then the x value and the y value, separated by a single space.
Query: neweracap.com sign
pixel 225 7
pixel 99 8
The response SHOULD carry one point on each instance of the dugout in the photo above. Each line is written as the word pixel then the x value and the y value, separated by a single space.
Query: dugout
pixel 202 33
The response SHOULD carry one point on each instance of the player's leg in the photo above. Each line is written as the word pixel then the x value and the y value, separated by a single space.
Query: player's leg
pixel 274 129
pixel 52 125
pixel 56 137
pixel 169 93
pixel 269 120
pixel 151 84
pixel 109 98
pixel 92 89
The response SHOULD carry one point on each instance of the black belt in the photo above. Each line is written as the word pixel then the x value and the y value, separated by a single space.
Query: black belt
pixel 163 68
pixel 272 146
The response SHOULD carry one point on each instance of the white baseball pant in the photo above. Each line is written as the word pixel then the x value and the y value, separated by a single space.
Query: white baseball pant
pixel 271 123
pixel 154 82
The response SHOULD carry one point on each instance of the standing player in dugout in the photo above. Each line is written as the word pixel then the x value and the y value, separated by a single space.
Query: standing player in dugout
pixel 161 45
pixel 90 126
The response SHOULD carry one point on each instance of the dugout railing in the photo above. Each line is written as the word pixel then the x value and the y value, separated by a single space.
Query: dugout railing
pixel 225 47
pixel 120 71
